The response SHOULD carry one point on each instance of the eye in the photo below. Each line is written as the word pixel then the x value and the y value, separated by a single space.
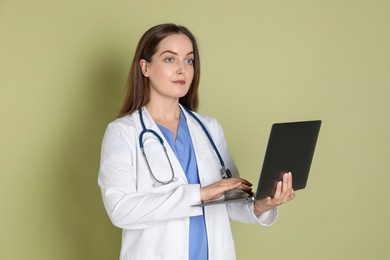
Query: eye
pixel 169 60
pixel 190 61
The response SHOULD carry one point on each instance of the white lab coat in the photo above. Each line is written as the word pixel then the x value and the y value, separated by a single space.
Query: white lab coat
pixel 155 220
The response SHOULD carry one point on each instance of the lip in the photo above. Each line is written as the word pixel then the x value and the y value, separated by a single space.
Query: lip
pixel 180 82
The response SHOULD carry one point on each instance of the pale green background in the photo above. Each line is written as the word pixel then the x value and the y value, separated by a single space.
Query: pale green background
pixel 63 67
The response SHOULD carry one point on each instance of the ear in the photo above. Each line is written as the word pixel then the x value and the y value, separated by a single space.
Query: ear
pixel 144 67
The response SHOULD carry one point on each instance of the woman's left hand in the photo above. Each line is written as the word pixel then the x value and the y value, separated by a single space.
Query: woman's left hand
pixel 283 194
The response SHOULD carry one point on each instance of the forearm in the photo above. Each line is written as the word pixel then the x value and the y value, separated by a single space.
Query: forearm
pixel 139 210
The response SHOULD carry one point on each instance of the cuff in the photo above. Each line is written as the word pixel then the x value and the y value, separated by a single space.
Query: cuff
pixel 268 218
pixel 195 190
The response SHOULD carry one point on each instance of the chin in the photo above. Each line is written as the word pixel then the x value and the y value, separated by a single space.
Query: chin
pixel 181 93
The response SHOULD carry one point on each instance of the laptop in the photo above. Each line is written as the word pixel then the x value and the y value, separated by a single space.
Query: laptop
pixel 290 149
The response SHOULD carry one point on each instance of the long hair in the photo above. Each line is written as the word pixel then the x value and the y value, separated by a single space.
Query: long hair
pixel 137 86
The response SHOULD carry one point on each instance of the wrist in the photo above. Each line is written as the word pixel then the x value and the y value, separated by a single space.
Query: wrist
pixel 259 207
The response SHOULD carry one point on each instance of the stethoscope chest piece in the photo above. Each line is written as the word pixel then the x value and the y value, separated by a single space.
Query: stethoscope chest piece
pixel 225 173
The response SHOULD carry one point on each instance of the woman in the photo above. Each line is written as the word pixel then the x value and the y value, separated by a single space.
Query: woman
pixel 150 191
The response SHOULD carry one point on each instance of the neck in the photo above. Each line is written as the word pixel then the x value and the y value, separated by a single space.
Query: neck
pixel 164 111
pixel 165 114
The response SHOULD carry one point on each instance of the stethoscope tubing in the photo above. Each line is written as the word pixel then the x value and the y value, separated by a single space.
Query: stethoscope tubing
pixel 225 173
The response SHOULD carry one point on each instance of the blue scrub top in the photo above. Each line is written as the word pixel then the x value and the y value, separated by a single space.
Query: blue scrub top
pixel 184 151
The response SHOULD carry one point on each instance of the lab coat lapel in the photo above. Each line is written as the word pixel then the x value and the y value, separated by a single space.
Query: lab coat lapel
pixel 208 164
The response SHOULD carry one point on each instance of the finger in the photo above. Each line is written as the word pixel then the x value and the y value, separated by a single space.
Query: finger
pixel 246 182
pixel 291 186
pixel 245 186
pixel 286 188
pixel 231 186
pixel 246 189
pixel 243 181
pixel 250 192
pixel 278 191
pixel 288 192
pixel 291 193
pixel 289 181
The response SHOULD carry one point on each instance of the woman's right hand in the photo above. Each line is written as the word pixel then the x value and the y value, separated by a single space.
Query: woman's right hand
pixel 217 189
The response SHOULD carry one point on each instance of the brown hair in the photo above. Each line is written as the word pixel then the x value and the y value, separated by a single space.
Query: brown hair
pixel 137 86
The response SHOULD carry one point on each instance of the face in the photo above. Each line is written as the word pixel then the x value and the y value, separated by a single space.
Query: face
pixel 171 69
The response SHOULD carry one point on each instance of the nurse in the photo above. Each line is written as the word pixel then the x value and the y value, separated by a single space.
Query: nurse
pixel 157 162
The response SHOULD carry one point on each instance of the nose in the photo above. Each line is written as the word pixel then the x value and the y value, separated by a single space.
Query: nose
pixel 181 68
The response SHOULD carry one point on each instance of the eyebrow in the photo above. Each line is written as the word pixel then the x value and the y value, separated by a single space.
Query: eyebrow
pixel 175 53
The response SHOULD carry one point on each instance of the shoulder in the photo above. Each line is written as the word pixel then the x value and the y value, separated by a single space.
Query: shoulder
pixel 123 122
pixel 124 126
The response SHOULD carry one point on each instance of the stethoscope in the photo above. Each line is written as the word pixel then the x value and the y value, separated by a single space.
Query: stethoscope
pixel 225 173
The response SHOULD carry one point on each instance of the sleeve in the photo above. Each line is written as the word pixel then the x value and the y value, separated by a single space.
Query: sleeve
pixel 126 207
pixel 238 211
